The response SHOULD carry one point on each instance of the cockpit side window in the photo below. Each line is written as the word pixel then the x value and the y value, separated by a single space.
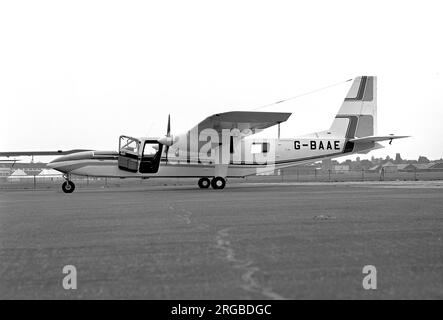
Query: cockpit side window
pixel 150 150
pixel 128 144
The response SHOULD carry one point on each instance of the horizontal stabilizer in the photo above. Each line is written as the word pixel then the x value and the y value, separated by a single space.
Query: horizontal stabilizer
pixel 377 138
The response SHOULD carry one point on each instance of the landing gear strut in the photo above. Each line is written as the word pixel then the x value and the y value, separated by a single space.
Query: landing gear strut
pixel 204 183
pixel 68 186
pixel 218 183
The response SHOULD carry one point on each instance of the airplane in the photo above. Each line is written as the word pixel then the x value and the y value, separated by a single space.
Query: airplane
pixel 220 147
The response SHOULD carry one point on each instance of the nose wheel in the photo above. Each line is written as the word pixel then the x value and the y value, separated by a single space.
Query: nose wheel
pixel 68 186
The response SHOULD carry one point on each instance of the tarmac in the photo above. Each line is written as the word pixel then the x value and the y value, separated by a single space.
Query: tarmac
pixel 248 241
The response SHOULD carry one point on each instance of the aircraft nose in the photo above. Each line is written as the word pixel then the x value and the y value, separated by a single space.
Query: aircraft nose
pixel 58 164
pixel 52 164
pixel 68 162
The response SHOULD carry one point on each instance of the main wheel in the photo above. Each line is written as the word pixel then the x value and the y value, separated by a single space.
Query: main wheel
pixel 68 186
pixel 218 183
pixel 204 183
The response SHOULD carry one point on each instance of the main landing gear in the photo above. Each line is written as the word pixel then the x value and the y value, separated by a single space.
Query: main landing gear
pixel 216 183
pixel 204 183
pixel 68 186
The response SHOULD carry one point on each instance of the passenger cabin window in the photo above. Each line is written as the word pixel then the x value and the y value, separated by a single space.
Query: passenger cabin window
pixel 259 147
pixel 265 147
pixel 231 145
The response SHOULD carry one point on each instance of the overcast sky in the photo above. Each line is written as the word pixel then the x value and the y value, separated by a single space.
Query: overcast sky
pixel 77 74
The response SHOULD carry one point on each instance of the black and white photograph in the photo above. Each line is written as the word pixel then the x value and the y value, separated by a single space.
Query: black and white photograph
pixel 221 155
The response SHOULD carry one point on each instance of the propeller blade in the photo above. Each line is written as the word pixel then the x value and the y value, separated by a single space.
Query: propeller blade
pixel 166 151
pixel 168 134
pixel 168 129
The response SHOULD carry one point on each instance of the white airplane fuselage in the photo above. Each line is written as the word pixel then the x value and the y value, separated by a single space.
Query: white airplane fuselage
pixel 242 160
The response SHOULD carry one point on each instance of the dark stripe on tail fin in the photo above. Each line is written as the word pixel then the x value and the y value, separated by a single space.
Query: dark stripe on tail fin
pixel 352 126
pixel 365 90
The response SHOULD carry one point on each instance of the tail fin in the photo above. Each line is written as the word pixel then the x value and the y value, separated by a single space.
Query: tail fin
pixel 357 116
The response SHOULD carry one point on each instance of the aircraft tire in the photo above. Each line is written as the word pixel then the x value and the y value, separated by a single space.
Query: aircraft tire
pixel 68 187
pixel 204 183
pixel 218 183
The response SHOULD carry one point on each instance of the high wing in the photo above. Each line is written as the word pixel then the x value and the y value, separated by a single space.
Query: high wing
pixel 40 153
pixel 377 138
pixel 242 120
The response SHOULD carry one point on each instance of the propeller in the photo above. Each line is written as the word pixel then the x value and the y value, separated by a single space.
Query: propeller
pixel 167 140
pixel 168 129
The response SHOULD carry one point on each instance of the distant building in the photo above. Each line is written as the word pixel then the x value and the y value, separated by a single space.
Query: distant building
pixel 423 166
pixel 418 167
pixel 423 159
pixel 5 172
pixel 19 175
pixel 407 167
pixel 50 175
pixel 365 164
pixel 28 168
pixel 326 164
pixel 436 166
pixel 388 167
pixel 302 169
pixel 341 168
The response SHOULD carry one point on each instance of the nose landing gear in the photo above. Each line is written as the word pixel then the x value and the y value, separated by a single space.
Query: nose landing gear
pixel 68 186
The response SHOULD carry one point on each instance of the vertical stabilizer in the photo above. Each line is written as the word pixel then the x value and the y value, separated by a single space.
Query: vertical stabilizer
pixel 357 116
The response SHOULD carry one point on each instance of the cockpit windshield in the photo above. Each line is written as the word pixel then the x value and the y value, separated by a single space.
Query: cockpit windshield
pixel 129 144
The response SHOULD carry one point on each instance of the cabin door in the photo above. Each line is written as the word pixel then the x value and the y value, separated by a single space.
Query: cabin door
pixel 151 156
pixel 128 154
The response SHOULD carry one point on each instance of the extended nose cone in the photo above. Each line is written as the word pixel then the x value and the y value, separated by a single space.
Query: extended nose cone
pixel 67 163
pixel 50 165
pixel 58 164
